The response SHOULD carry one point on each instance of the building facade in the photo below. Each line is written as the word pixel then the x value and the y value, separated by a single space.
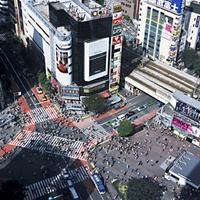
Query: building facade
pixel 161 31
pixel 4 12
pixel 193 39
pixel 81 43
pixel 130 8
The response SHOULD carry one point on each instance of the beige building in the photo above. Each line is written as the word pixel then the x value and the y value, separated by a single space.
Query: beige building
pixel 130 8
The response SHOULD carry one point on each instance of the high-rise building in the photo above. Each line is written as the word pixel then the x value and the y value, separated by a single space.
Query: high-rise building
pixel 193 39
pixel 162 29
pixel 81 42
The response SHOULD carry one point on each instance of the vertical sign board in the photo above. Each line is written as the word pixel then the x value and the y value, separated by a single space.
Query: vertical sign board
pixel 116 41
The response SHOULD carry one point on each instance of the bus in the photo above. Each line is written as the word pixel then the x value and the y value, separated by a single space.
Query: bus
pixel 98 183
pixel 73 193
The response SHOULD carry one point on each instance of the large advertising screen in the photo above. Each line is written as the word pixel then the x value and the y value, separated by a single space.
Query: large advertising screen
pixel 97 63
pixel 188 111
pixel 96 59
pixel 62 61
pixel 186 126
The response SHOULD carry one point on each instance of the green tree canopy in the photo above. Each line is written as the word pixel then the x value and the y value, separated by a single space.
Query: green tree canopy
pixel 11 189
pixel 96 103
pixel 191 59
pixel 46 86
pixel 143 189
pixel 42 78
pixel 125 128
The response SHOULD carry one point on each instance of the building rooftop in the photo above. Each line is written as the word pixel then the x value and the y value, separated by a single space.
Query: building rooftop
pixel 80 10
pixel 187 165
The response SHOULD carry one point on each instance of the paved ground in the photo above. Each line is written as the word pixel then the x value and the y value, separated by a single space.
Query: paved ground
pixel 120 159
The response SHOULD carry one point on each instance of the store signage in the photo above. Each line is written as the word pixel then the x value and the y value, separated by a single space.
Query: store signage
pixel 197 22
pixel 186 126
pixel 117 8
pixel 117 29
pixel 117 39
pixel 176 6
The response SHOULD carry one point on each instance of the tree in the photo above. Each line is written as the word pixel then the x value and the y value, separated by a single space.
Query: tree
pixel 12 189
pixel 42 78
pixel 125 128
pixel 143 189
pixel 96 103
pixel 47 86
pixel 191 59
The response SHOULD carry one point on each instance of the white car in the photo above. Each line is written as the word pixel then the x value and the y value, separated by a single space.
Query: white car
pixel 39 90
pixel 64 173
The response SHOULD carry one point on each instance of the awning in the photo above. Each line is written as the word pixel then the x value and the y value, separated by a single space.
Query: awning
pixel 105 94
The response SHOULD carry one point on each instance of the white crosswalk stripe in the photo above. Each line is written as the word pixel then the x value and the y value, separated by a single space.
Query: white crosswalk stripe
pixel 41 114
pixel 51 144
pixel 57 182
pixel 20 138
pixel 93 130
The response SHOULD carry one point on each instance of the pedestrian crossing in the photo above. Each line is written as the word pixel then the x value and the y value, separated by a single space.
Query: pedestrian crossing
pixel 51 144
pixel 41 114
pixel 93 131
pixel 52 184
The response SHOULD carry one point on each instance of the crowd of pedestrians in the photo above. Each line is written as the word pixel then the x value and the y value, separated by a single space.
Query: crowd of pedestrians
pixel 141 156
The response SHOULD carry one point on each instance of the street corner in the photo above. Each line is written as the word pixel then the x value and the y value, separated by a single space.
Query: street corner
pixel 6 148
pixel 29 128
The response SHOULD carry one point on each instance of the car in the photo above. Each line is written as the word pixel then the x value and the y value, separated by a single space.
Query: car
pixel 43 97
pixel 39 90
pixel 141 108
pixel 69 183
pixel 64 173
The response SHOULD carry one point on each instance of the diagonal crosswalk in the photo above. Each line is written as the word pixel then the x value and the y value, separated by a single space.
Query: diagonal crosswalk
pixel 93 131
pixel 41 114
pixel 51 144
pixel 55 183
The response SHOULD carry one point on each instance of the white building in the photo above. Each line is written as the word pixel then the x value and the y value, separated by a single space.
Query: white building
pixel 159 32
pixel 81 42
pixel 162 31
pixel 193 37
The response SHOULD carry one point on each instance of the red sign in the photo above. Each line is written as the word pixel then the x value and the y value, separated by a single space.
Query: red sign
pixel 117 16
pixel 117 21
pixel 117 40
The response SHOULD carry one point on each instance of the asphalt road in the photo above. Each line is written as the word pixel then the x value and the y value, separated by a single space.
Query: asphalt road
pixel 16 71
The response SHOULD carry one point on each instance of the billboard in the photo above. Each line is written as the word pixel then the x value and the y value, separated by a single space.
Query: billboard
pixel 117 18
pixel 96 59
pixel 97 63
pixel 186 126
pixel 117 40
pixel 117 8
pixel 197 21
pixel 188 111
pixel 117 29
pixel 176 6
pixel 62 61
